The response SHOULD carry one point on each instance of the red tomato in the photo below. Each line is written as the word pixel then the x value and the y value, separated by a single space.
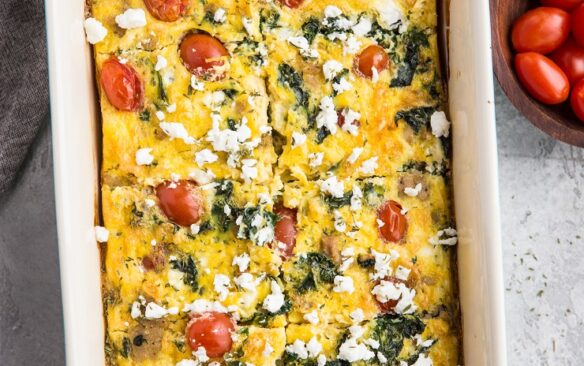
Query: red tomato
pixel 212 331
pixel 291 3
pixel 181 201
pixel 542 78
pixel 395 223
pixel 202 54
pixel 122 85
pixel 166 10
pixel 562 4
pixel 285 229
pixel 570 58
pixel 540 30
pixel 370 57
pixel 577 100
pixel 578 24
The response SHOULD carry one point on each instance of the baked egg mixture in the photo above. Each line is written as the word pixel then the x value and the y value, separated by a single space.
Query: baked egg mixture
pixel 275 184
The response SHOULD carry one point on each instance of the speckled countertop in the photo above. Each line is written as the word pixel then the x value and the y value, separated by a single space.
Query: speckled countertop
pixel 541 185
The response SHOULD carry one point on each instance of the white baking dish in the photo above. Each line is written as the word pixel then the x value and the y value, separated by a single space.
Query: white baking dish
pixel 76 160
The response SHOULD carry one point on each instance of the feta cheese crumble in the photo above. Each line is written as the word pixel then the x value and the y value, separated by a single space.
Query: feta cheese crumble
pixel 274 301
pixel 101 234
pixel 303 46
pixel 343 284
pixel 221 285
pixel 155 311
pixel 312 317
pixel 369 166
pixel 94 30
pixel 298 139
pixel 440 125
pixel 144 156
pixel 205 156
pixel 331 68
pixel 355 155
pixel 161 63
pixel 241 261
pixel 176 130
pixel 131 18
pixel 333 187
pixel 220 16
pixel 327 116
pixel 413 192
pixel 447 236
pixel 315 159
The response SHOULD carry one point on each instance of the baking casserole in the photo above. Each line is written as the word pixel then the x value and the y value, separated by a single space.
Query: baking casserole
pixel 76 154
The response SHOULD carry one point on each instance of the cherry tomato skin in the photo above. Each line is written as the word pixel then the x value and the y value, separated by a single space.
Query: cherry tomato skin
pixel 212 331
pixel 395 223
pixel 577 100
pixel 202 53
pixel 562 4
pixel 370 57
pixel 542 78
pixel 285 229
pixel 578 24
pixel 166 10
pixel 570 58
pixel 122 85
pixel 180 201
pixel 540 30
pixel 291 3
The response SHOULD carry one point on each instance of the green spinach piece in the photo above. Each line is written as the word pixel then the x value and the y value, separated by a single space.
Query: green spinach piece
pixel 187 266
pixel 416 117
pixel 290 78
pixel 413 40
pixel 310 29
pixel 262 317
pixel 260 234
pixel 390 331
pixel 269 20
pixel 338 202
pixel 316 268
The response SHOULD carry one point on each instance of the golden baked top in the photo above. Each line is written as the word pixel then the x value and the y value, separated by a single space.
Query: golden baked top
pixel 275 183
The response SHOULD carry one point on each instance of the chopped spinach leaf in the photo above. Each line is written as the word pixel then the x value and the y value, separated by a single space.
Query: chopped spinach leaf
pixel 390 330
pixel 162 97
pixel 126 347
pixel 413 39
pixel 257 225
pixel 315 268
pixel 262 317
pixel 187 266
pixel 322 134
pixel 222 220
pixel 416 117
pixel 144 115
pixel 290 78
pixel 386 38
pixel 310 29
pixel 338 202
pixel 268 20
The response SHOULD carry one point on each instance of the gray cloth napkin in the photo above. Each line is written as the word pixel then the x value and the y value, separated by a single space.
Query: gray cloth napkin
pixel 24 94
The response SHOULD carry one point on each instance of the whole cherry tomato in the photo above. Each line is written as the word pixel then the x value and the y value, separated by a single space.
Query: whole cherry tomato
pixel 371 57
pixel 540 30
pixel 181 201
pixel 203 54
pixel 291 3
pixel 578 24
pixel 211 331
pixel 542 78
pixel 122 85
pixel 577 100
pixel 562 4
pixel 570 58
pixel 166 10
pixel 285 229
pixel 394 222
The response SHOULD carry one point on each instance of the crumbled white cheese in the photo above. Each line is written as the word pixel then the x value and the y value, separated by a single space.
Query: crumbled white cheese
pixel 362 27
pixel 331 68
pixel 332 11
pixel 196 84
pixel 135 312
pixel 413 192
pixel 131 18
pixel 94 30
pixel 315 159
pixel 101 234
pixel 268 350
pixel 149 203
pixel 386 291
pixel 195 229
pixel 350 125
pixel 357 315
pixel 298 348
pixel 161 63
pixel 333 186
pixel 402 273
pixel 369 166
pixel 155 311
pixel 160 115
pixel 298 139
pixel 205 156
pixel 246 281
pixel 374 74
pixel 312 317
pixel 171 108
pixel 242 261
pixel 302 44
pixel 327 116
pixel 203 306
pixel 176 130
pixel 144 156
pixel 423 360
pixel 382 359
pixel 221 285
pixel 313 347
pixel 355 155
pixel 274 301
pixel 352 45
pixel 249 169
pixel 342 86
pixel 447 236
pixel 352 351
pixel 372 343
pixel 356 203
pixel 187 362
pixel 343 284
pixel 382 267
pixel 248 25
pixel 440 124
pixel 321 360
pixel 390 14
pixel 339 222
pixel 220 16
pixel 175 279
pixel 201 354
pixel 202 177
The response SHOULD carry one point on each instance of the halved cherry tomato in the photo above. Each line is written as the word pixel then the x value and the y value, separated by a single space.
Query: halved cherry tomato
pixel 578 24
pixel 562 4
pixel 181 201
pixel 166 10
pixel 577 100
pixel 570 58
pixel 371 57
pixel 542 78
pixel 202 54
pixel 285 229
pixel 291 3
pixel 211 331
pixel 540 30
pixel 394 222
pixel 122 85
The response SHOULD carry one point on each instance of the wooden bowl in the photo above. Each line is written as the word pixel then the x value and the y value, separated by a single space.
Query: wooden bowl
pixel 557 121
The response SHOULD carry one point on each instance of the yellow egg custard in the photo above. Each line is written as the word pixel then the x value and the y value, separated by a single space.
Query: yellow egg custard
pixel 275 185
